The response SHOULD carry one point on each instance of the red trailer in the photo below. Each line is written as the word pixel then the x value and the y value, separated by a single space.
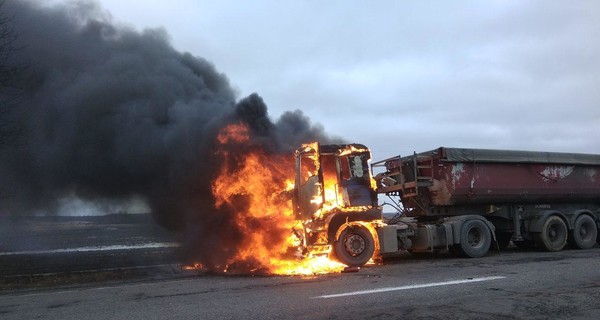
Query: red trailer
pixel 465 199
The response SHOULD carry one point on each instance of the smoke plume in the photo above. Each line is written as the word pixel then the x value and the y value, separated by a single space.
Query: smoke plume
pixel 111 113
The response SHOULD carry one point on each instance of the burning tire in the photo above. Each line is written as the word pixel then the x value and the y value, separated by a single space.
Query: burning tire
pixel 355 246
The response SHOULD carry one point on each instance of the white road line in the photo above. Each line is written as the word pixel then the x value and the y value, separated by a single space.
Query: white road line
pixel 95 248
pixel 415 286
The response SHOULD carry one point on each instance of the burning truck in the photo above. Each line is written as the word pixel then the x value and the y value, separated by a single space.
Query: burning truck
pixel 465 201
pixel 320 211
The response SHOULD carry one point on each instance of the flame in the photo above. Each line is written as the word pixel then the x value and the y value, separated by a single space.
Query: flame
pixel 330 196
pixel 254 186
pixel 193 266
pixel 236 132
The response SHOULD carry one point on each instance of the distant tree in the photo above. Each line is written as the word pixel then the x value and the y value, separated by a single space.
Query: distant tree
pixel 9 80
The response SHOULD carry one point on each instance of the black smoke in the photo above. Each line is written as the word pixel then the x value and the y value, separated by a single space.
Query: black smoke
pixel 111 113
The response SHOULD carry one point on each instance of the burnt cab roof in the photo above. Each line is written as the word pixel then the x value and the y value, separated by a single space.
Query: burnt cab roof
pixel 337 149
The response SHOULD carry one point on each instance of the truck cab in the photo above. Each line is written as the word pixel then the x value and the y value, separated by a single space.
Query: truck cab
pixel 335 200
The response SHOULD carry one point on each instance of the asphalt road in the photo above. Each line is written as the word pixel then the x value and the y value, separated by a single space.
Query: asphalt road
pixel 510 285
pixel 49 251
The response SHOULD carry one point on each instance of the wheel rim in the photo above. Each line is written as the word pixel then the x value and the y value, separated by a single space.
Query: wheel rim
pixel 475 237
pixel 552 233
pixel 556 233
pixel 354 244
pixel 585 231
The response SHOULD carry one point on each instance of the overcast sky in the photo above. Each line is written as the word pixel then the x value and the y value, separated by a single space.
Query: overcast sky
pixel 404 76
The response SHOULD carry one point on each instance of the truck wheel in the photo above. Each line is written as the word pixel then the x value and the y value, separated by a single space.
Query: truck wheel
pixel 475 239
pixel 355 246
pixel 584 233
pixel 554 234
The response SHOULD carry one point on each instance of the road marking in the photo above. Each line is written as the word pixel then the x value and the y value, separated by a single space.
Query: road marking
pixel 415 286
pixel 96 248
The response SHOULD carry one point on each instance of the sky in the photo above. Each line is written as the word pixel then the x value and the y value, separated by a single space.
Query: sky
pixel 403 76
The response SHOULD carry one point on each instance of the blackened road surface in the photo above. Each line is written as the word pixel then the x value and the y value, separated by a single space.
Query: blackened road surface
pixel 511 285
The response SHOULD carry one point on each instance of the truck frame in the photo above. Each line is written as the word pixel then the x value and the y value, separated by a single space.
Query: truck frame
pixel 464 201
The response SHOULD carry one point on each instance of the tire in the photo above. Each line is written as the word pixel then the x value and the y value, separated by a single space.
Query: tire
pixel 502 240
pixel 355 246
pixel 554 234
pixel 475 239
pixel 584 233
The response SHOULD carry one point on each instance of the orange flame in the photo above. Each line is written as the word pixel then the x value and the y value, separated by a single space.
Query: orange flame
pixel 254 186
pixel 236 132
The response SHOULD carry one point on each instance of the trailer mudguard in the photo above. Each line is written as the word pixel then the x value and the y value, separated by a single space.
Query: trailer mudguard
pixel 536 224
pixel 575 214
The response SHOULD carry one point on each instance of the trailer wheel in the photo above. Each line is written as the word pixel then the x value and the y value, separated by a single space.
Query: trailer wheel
pixel 475 239
pixel 584 232
pixel 355 246
pixel 554 234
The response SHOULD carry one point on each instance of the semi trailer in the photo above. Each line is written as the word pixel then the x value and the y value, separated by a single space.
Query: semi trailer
pixel 465 201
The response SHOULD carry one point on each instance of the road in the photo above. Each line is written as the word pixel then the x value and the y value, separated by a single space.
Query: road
pixel 509 285
pixel 50 251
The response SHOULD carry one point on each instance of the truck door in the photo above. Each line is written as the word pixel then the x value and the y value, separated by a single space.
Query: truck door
pixel 309 196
